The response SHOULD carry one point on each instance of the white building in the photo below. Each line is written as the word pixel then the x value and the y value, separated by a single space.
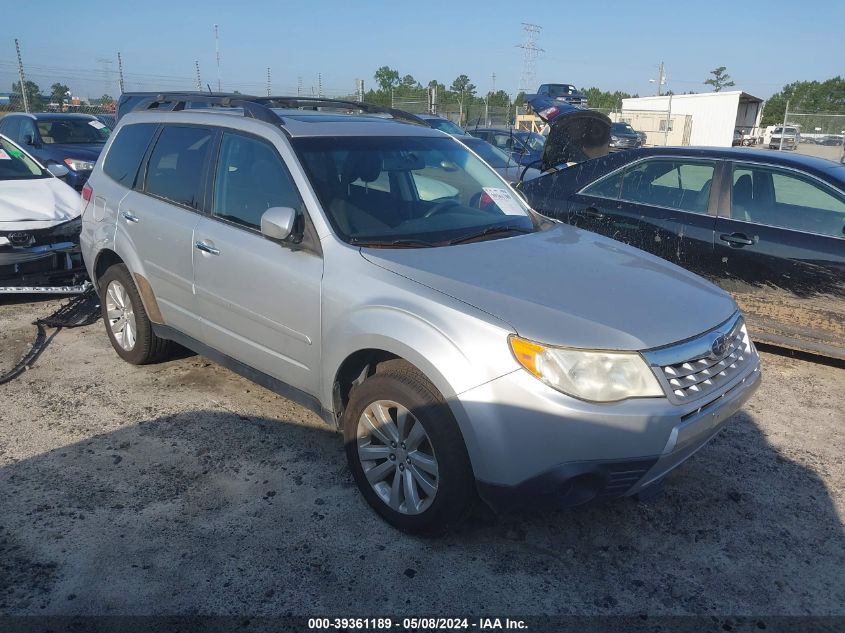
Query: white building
pixel 713 116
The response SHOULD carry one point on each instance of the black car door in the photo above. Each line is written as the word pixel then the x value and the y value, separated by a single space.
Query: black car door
pixel 781 247
pixel 661 205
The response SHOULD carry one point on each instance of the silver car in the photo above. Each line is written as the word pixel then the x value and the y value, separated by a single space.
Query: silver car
pixel 381 274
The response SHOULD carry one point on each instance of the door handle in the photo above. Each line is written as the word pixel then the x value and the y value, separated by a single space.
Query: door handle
pixel 736 240
pixel 207 248
pixel 591 212
pixel 130 217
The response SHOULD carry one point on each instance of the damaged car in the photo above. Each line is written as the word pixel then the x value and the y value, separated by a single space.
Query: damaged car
pixel 768 228
pixel 39 227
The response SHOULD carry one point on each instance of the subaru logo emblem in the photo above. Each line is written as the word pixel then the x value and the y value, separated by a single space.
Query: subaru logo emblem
pixel 719 346
pixel 19 238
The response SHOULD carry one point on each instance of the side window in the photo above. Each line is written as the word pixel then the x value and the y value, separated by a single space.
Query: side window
pixel 786 199
pixel 673 183
pixel 127 151
pixel 27 129
pixel 608 187
pixel 251 178
pixel 503 141
pixel 11 127
pixel 175 170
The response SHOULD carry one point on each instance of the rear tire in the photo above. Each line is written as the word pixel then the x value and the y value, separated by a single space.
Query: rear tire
pixel 406 452
pixel 127 324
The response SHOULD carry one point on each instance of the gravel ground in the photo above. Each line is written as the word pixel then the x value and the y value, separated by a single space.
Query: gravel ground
pixel 181 488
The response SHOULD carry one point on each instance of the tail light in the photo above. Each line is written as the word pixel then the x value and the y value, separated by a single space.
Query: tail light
pixel 87 192
pixel 549 113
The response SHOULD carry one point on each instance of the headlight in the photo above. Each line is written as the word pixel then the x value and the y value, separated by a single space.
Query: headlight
pixel 614 138
pixel 593 376
pixel 79 165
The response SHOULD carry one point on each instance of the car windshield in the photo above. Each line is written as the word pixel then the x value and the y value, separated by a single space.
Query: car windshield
pixel 535 142
pixel 561 90
pixel 16 165
pixel 492 155
pixel 410 191
pixel 72 131
pixel 622 128
pixel 445 125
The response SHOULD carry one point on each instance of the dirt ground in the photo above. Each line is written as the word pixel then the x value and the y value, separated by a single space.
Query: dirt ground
pixel 181 488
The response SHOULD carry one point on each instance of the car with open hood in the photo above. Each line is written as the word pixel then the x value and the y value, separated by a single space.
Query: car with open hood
pixel 768 227
pixel 39 226
pixel 463 344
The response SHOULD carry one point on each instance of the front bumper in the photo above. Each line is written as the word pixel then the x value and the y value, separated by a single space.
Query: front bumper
pixel 545 448
pixel 47 266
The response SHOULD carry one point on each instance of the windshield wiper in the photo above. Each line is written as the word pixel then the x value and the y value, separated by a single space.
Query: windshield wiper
pixel 490 230
pixel 403 243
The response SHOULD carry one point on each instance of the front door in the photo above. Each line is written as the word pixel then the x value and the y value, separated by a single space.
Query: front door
pixel 782 253
pixel 259 298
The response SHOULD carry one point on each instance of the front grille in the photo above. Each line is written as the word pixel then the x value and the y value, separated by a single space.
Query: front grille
pixel 702 373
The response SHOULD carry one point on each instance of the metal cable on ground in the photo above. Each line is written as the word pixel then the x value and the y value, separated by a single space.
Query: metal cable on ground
pixel 82 310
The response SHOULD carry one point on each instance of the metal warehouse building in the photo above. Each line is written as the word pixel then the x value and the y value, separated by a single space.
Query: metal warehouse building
pixel 708 118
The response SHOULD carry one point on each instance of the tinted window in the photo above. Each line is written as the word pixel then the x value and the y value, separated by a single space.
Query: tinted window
pixel 11 127
pixel 606 188
pixel 72 131
pixel 771 196
pixel 677 184
pixel 251 178
pixel 176 165
pixel 127 151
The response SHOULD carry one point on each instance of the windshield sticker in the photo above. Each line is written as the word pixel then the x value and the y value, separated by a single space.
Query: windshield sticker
pixel 504 200
pixel 96 124
pixel 15 152
pixel 4 155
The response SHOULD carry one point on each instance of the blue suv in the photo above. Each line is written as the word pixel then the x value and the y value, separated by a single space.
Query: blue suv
pixel 72 140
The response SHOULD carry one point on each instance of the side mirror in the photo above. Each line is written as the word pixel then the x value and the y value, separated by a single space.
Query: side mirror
pixel 277 223
pixel 59 171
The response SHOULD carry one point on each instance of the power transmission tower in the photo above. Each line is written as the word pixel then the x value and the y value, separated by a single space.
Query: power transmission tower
pixel 268 81
pixel 299 86
pixel 530 53
pixel 199 81
pixel 320 85
pixel 217 55
pixel 120 73
pixel 106 62
pixel 22 76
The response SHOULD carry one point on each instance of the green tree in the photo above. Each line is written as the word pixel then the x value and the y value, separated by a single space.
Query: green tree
pixel 499 99
pixel 463 88
pixel 386 78
pixel 59 94
pixel 105 100
pixel 33 95
pixel 807 97
pixel 720 79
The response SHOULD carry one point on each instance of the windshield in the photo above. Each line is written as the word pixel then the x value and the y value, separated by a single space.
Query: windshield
pixel 16 165
pixel 561 90
pixel 445 125
pixel 534 141
pixel 622 128
pixel 72 131
pixel 493 156
pixel 408 191
pixel 789 130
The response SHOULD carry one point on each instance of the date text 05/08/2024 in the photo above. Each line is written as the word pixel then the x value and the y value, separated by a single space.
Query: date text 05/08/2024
pixel 416 624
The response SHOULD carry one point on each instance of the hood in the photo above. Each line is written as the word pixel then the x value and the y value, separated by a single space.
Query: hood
pixel 82 151
pixel 575 135
pixel 36 204
pixel 566 286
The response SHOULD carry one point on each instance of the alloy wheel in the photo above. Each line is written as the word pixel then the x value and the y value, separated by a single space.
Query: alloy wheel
pixel 121 316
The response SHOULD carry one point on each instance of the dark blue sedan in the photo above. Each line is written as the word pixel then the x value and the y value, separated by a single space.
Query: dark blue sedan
pixel 72 140
pixel 526 148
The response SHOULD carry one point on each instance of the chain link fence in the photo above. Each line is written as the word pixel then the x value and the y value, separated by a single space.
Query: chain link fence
pixel 811 133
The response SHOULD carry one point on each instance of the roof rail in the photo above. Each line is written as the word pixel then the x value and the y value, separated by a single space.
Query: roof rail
pixel 251 106
pixel 315 103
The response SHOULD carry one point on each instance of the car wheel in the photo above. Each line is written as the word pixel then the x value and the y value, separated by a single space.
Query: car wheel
pixel 127 324
pixel 406 452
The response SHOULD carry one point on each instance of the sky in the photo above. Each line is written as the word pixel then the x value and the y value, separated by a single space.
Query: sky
pixel 614 45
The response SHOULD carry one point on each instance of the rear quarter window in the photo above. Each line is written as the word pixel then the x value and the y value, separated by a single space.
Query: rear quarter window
pixel 177 163
pixel 127 151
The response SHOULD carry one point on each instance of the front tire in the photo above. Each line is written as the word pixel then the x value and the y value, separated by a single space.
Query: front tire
pixel 406 452
pixel 127 324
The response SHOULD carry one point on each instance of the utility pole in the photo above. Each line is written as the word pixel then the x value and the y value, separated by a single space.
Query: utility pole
pixel 320 85
pixel 217 55
pixel 22 76
pixel 359 90
pixel 530 53
pixel 268 81
pixel 661 79
pixel 668 123
pixel 782 129
pixel 199 81
pixel 120 73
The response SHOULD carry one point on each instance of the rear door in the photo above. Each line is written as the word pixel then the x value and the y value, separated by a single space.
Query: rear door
pixel 781 245
pixel 156 221
pixel 259 298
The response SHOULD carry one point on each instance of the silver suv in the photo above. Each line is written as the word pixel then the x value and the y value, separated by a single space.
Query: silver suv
pixel 381 274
